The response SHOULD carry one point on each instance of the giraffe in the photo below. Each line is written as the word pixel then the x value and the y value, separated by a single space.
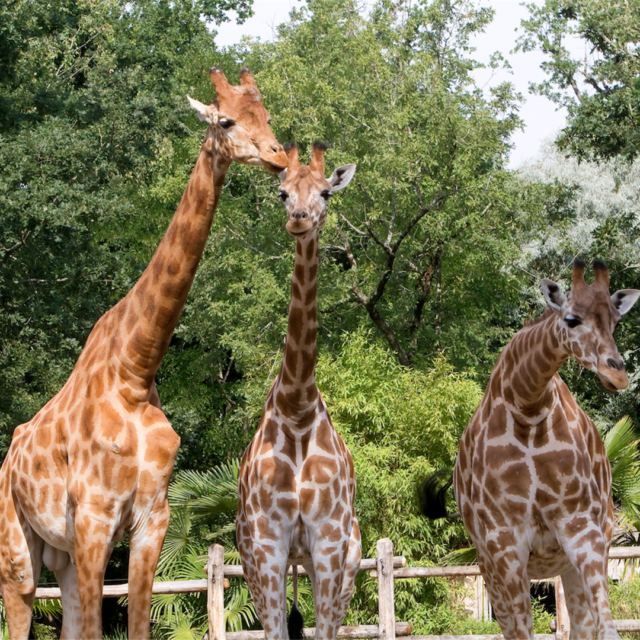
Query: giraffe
pixel 532 479
pixel 297 485
pixel 95 462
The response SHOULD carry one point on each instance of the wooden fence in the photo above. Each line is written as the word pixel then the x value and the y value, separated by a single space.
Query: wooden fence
pixel 386 568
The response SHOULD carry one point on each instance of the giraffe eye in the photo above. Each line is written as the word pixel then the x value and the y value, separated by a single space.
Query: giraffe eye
pixel 226 124
pixel 572 322
pixel 326 194
pixel 283 195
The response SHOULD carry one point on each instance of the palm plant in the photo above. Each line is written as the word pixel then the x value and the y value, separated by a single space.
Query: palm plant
pixel 621 444
pixel 203 509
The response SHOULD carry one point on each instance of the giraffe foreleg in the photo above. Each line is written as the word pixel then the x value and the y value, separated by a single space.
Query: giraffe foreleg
pixel 67 577
pixel 93 545
pixel 587 552
pixel 20 565
pixel 354 554
pixel 505 573
pixel 145 545
pixel 581 623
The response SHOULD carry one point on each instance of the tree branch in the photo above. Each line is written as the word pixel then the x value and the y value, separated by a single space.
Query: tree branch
pixel 426 280
pixel 262 253
pixel 16 246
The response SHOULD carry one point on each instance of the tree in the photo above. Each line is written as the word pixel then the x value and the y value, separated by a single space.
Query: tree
pixel 601 91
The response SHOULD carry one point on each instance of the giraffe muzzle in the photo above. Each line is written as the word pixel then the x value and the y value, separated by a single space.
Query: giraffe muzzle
pixel 613 378
pixel 274 159
pixel 299 223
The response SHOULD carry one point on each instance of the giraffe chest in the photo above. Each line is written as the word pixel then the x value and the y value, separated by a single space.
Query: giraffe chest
pixel 528 484
pixel 297 480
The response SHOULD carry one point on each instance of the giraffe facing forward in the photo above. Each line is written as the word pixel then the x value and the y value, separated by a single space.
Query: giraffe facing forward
pixel 95 462
pixel 297 485
pixel 532 479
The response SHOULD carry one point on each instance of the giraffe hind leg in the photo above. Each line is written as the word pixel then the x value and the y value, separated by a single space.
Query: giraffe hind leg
pixel 354 554
pixel 269 596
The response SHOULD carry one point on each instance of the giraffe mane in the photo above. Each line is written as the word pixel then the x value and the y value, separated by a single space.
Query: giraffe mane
pixel 534 321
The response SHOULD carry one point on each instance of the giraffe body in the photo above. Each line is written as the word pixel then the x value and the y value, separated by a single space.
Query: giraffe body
pixel 297 483
pixel 532 479
pixel 95 462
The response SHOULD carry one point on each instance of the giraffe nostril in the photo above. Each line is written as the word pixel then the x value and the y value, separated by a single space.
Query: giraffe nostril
pixel 614 364
pixel 274 149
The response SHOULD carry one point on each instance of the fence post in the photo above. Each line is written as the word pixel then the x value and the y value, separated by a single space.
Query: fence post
pixel 562 614
pixel 215 592
pixel 386 605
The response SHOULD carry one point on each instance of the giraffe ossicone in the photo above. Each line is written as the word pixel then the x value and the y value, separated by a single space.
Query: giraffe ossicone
pixel 297 483
pixel 94 464
pixel 532 479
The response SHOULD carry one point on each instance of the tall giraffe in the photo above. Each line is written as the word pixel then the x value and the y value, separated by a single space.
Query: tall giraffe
pixel 532 478
pixel 297 485
pixel 95 462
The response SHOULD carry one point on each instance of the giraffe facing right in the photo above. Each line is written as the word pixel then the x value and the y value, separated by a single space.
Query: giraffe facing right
pixel 532 479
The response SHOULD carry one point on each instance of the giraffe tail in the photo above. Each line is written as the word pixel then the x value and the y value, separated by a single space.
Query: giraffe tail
pixel 432 495
pixel 296 623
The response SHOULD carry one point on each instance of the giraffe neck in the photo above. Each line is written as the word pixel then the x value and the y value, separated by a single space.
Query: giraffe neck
pixel 529 362
pixel 154 305
pixel 296 390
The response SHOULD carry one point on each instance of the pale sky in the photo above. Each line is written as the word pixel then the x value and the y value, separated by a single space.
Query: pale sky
pixel 541 117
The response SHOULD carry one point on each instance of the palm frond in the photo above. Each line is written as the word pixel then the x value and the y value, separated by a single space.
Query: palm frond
pixel 208 489
pixel 468 555
pixel 239 610
pixel 179 540
pixel 621 445
pixel 48 608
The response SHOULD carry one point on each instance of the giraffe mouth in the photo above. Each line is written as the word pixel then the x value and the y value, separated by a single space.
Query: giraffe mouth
pixel 273 168
pixel 606 383
pixel 610 384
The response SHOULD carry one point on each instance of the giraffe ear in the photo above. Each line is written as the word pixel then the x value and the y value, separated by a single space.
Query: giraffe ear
pixel 342 177
pixel 283 175
pixel 625 299
pixel 208 114
pixel 552 294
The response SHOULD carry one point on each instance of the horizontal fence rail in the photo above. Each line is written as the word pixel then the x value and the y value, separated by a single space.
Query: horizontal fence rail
pixel 402 629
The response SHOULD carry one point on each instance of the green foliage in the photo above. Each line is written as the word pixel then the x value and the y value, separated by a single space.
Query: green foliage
pixel 398 423
pixel 624 599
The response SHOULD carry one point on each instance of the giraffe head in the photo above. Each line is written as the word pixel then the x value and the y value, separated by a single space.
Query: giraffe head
pixel 305 191
pixel 239 123
pixel 588 316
